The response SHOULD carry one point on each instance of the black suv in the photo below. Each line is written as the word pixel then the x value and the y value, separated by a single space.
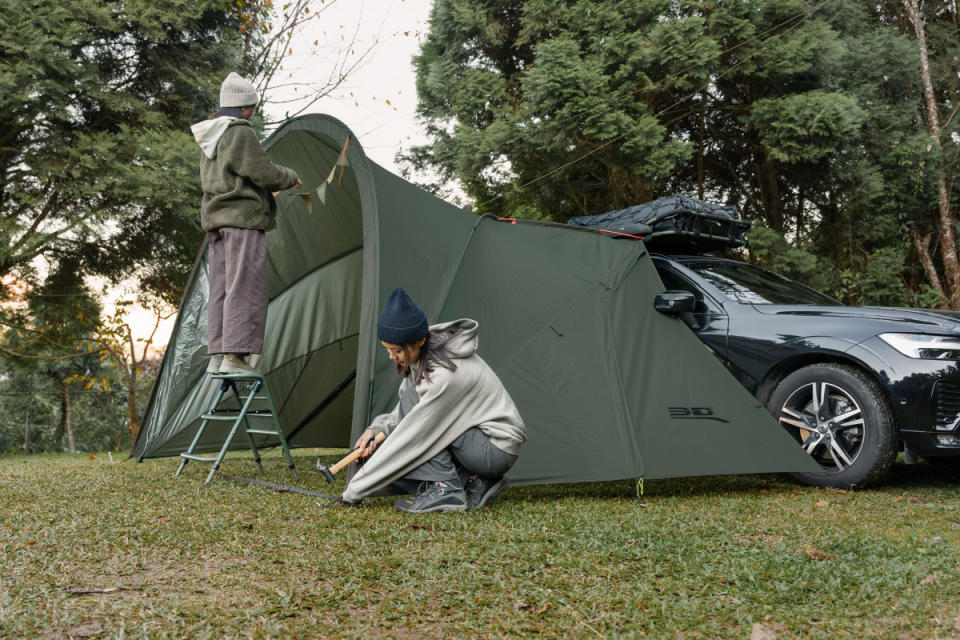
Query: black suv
pixel 853 385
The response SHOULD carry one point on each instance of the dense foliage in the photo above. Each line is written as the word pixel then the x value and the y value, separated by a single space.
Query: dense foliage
pixel 98 177
pixel 809 115
pixel 96 159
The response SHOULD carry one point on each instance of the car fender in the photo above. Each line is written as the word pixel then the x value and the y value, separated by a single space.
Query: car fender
pixel 815 349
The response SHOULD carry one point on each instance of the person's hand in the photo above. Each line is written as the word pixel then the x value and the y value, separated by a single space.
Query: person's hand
pixel 366 443
pixel 298 185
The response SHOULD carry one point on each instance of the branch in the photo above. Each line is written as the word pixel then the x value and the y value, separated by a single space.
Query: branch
pixel 64 357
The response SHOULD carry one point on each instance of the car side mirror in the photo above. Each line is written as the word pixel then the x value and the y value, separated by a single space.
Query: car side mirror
pixel 673 303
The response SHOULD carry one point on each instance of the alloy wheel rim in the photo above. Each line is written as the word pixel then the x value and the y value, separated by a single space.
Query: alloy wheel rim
pixel 827 422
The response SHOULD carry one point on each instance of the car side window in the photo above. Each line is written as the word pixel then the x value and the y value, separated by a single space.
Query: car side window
pixel 674 281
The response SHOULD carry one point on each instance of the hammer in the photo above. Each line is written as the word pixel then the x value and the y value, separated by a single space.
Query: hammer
pixel 353 455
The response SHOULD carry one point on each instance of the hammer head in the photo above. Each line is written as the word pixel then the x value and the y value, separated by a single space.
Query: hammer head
pixel 325 472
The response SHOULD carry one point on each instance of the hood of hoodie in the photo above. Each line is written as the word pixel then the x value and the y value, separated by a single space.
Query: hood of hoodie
pixel 207 133
pixel 464 342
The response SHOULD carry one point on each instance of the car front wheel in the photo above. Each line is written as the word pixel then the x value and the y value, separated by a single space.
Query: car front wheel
pixel 841 419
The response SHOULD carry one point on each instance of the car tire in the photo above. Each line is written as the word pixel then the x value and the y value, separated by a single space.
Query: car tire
pixel 841 418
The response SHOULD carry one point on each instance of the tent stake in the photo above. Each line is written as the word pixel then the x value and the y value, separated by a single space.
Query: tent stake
pixel 279 487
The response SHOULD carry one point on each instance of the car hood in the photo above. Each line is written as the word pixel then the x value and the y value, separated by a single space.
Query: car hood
pixel 904 320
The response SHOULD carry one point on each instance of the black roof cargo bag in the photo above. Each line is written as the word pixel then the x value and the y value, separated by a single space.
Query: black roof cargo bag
pixel 675 223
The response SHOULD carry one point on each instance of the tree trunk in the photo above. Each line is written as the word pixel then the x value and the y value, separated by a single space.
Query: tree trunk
pixel 770 195
pixel 68 419
pixel 922 245
pixel 132 403
pixel 945 217
pixel 26 426
pixel 62 423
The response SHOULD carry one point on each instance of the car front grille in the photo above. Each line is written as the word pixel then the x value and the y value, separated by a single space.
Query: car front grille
pixel 948 406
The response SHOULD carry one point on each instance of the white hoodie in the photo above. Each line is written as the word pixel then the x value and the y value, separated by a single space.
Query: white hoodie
pixel 207 133
pixel 450 403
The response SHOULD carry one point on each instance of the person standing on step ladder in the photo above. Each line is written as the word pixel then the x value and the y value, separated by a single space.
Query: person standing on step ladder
pixel 238 208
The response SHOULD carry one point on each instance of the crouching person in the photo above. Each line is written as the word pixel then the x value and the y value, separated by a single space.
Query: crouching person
pixel 454 432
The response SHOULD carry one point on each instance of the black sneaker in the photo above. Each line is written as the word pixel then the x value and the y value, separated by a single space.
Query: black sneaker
pixel 480 491
pixel 433 496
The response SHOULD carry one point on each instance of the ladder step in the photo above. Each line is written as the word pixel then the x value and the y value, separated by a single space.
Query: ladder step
pixel 233 415
pixel 197 457
pixel 265 432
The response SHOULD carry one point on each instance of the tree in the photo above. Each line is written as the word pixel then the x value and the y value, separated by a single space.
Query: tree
pixel 95 102
pixel 117 342
pixel 805 114
pixel 268 35
pixel 52 341
pixel 946 217
pixel 551 108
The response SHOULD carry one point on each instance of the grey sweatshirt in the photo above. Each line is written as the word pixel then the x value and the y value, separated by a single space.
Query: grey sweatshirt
pixel 450 402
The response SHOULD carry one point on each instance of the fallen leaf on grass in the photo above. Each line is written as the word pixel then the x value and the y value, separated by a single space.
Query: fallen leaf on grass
pixel 523 606
pixel 632 543
pixel 421 526
pixel 770 490
pixel 91 457
pixel 763 632
pixel 163 518
pixel 918 500
pixel 816 554
pixel 933 578
pixel 821 503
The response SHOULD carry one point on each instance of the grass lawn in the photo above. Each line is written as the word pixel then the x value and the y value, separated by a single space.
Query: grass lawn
pixel 731 557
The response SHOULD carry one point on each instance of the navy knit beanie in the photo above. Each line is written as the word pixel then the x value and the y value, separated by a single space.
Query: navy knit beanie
pixel 402 321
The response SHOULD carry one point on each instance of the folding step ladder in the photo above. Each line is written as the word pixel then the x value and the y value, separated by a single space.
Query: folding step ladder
pixel 257 414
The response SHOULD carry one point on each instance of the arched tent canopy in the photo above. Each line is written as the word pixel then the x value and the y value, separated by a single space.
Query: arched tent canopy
pixel 566 320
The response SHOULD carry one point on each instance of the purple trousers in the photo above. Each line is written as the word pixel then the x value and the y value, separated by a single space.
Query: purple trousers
pixel 237 306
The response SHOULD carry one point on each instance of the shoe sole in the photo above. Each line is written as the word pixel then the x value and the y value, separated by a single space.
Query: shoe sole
pixel 492 493
pixel 440 508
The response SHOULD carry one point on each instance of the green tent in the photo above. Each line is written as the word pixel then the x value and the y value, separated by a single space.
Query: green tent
pixel 608 387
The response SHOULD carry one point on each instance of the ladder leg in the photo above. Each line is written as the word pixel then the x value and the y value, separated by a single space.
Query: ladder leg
pixel 253 445
pixel 203 425
pixel 233 431
pixel 283 439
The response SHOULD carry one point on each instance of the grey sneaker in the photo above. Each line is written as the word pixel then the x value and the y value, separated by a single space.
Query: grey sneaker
pixel 234 363
pixel 433 496
pixel 480 491
pixel 213 366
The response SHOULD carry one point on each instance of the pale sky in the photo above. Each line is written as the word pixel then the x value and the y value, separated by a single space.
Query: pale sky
pixel 389 29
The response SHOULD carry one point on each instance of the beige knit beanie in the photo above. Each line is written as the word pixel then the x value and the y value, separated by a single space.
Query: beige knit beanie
pixel 237 91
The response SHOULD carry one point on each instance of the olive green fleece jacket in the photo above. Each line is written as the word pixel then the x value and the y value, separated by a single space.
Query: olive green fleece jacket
pixel 238 176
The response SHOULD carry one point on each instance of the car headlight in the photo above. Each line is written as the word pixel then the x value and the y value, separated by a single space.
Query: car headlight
pixel 918 345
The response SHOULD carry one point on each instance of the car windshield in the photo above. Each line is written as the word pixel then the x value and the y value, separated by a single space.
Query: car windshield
pixel 751 285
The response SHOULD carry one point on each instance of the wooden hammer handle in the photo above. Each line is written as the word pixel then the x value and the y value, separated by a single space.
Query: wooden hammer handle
pixel 353 455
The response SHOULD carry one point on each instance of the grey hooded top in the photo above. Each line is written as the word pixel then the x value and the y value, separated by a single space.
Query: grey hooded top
pixel 450 402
